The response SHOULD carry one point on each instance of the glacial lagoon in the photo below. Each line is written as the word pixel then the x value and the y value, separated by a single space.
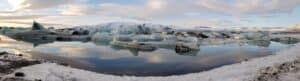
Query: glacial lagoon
pixel 107 59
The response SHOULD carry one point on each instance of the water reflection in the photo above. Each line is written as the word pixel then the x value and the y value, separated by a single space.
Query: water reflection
pixel 286 40
pixel 145 52
pixel 260 43
pixel 42 40
pixel 109 59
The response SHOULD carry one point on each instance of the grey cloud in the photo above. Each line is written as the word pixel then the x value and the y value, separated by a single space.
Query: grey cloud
pixel 180 7
pixel 41 4
pixel 30 23
pixel 20 17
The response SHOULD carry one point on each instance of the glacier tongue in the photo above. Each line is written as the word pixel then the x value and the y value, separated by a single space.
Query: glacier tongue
pixel 127 28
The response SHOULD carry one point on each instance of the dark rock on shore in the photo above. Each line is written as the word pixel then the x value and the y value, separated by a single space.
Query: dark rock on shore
pixel 19 74
pixel 11 65
pixel 9 62
pixel 273 73
pixel 3 53
pixel 14 79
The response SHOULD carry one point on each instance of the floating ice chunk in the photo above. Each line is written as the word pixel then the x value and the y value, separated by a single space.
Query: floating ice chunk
pixel 102 37
pixel 256 36
pixel 144 38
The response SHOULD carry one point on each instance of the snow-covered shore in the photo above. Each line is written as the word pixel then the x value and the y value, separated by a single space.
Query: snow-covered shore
pixel 245 71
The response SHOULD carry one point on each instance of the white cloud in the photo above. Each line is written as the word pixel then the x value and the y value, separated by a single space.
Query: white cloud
pixel 165 8
pixel 37 4
pixel 192 22
pixel 242 7
pixel 156 4
pixel 106 9
pixel 78 10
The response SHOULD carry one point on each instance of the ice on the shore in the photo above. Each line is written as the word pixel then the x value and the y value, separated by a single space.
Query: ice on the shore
pixel 236 72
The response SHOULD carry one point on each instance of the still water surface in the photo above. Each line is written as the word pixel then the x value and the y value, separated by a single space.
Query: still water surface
pixel 161 62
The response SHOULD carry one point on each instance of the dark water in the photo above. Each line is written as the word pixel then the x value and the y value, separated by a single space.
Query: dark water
pixel 161 62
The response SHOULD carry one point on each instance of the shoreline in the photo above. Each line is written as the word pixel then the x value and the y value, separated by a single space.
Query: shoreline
pixel 249 70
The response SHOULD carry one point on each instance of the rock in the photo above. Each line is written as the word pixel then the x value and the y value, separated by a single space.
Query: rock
pixel 247 59
pixel 19 74
pixel 20 55
pixel 37 80
pixel 15 64
pixel 3 53
pixel 297 61
pixel 22 63
pixel 182 49
pixel 285 67
pixel 5 56
pixel 273 73
pixel 5 69
pixel 64 64
pixel 14 79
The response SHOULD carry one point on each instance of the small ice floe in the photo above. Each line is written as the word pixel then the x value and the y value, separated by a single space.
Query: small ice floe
pixel 133 45
pixel 182 47
pixel 255 36
pixel 145 38
pixel 259 43
pixel 102 37
pixel 286 40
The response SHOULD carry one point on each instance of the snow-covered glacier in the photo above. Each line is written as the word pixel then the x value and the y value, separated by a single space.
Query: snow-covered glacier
pixel 127 28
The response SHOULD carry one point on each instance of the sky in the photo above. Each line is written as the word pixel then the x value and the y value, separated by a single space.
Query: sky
pixel 184 13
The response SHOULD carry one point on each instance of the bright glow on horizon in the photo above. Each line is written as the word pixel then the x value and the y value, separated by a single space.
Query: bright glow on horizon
pixel 16 4
pixel 14 25
pixel 156 4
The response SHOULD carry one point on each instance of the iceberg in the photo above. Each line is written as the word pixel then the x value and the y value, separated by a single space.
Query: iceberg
pixel 126 28
pixel 133 45
pixel 256 36
pixel 145 38
pixel 102 37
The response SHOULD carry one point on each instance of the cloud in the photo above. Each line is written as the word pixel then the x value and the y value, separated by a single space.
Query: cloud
pixel 7 12
pixel 78 10
pixel 156 4
pixel 192 22
pixel 157 10
pixel 29 23
pixel 166 8
pixel 106 9
pixel 21 17
pixel 37 4
pixel 245 7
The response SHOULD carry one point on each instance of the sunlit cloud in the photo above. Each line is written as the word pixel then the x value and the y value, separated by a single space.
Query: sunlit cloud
pixel 16 4
pixel 156 4
pixel 21 17
pixel 37 4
